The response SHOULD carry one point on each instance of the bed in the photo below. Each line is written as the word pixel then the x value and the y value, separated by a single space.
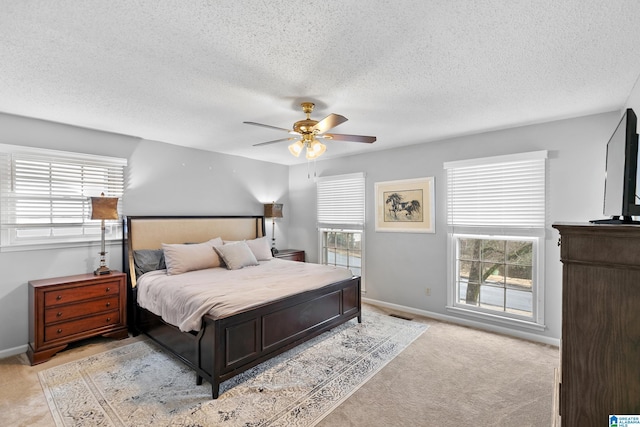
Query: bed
pixel 223 345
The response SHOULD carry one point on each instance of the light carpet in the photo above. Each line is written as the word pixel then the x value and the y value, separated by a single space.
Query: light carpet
pixel 140 384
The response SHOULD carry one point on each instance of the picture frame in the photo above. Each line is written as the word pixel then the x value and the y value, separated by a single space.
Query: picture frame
pixel 406 206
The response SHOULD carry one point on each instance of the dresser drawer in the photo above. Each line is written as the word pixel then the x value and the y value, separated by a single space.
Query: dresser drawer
pixel 71 311
pixel 61 330
pixel 65 296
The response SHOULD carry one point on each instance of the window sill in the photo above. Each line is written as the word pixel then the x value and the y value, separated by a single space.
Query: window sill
pixel 494 318
pixel 57 245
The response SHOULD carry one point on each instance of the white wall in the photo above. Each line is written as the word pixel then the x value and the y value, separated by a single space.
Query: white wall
pixel 399 266
pixel 168 179
pixel 162 179
pixel 633 101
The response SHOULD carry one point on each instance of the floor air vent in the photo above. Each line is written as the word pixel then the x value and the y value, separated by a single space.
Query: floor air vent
pixel 400 317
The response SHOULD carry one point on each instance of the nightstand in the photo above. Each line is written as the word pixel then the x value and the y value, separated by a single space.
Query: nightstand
pixel 67 309
pixel 291 255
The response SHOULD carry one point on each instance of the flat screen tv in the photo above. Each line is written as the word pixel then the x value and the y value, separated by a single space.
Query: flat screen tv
pixel 621 201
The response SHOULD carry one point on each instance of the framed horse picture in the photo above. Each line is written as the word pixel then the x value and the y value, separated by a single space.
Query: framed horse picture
pixel 406 205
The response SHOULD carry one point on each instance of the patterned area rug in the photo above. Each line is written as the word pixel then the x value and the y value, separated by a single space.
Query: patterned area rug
pixel 139 384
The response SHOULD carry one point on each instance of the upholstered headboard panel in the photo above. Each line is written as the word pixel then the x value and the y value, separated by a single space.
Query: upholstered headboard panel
pixel 146 232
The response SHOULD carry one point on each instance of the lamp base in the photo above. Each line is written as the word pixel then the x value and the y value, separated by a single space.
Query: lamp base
pixel 274 251
pixel 102 270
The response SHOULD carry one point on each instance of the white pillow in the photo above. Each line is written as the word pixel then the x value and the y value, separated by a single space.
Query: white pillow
pixel 236 255
pixel 181 258
pixel 260 248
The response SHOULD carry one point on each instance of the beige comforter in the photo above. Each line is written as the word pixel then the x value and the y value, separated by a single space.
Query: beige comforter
pixel 183 299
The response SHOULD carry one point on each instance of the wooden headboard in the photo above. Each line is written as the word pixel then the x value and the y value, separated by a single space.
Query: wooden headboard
pixel 149 232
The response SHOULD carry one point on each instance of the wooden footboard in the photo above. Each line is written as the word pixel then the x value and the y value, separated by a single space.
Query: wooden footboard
pixel 227 346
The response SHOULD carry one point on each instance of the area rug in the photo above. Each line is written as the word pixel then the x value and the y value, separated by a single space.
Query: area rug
pixel 140 384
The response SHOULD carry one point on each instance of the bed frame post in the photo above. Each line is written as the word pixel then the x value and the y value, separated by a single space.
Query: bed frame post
pixel 215 389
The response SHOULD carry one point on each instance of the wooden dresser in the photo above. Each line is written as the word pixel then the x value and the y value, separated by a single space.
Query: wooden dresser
pixel 600 350
pixel 291 254
pixel 67 309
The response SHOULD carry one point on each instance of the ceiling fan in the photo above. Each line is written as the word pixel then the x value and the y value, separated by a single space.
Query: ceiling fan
pixel 308 131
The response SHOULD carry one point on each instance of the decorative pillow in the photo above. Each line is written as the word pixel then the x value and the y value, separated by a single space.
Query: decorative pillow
pixel 146 260
pixel 236 255
pixel 260 248
pixel 181 258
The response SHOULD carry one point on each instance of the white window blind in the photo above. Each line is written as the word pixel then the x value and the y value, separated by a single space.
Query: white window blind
pixel 44 195
pixel 498 192
pixel 341 201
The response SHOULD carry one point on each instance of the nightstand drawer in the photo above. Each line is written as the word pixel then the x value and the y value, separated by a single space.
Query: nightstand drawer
pixel 71 311
pixel 56 297
pixel 61 330
pixel 291 255
pixel 71 308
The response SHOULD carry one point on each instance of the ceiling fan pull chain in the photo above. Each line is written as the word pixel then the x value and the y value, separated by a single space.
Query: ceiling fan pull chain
pixel 315 170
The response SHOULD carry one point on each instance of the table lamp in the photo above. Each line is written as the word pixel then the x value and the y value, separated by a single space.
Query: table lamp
pixel 273 211
pixel 103 208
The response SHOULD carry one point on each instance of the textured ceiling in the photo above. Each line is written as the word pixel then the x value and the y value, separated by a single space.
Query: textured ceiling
pixel 190 72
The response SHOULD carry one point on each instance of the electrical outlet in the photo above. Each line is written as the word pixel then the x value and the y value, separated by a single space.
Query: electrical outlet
pixel 427 291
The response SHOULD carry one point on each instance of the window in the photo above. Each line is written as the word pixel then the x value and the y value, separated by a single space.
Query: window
pixel 495 274
pixel 341 221
pixel 496 219
pixel 44 195
pixel 342 248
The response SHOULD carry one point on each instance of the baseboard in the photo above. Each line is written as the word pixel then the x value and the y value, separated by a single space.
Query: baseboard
pixel 13 351
pixel 465 322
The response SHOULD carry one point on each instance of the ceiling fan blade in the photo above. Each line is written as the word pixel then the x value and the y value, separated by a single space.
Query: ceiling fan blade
pixel 274 141
pixel 266 126
pixel 354 138
pixel 329 122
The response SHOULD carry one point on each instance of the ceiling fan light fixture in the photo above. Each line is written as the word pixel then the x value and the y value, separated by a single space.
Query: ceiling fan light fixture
pixel 296 148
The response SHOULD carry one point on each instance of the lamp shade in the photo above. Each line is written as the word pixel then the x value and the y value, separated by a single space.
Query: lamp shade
pixel 296 148
pixel 315 150
pixel 273 210
pixel 104 207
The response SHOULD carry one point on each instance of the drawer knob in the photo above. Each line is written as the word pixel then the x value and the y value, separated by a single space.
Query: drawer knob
pixel 59 297
pixel 108 289
pixel 59 331
pixel 59 314
pixel 108 319
pixel 108 304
